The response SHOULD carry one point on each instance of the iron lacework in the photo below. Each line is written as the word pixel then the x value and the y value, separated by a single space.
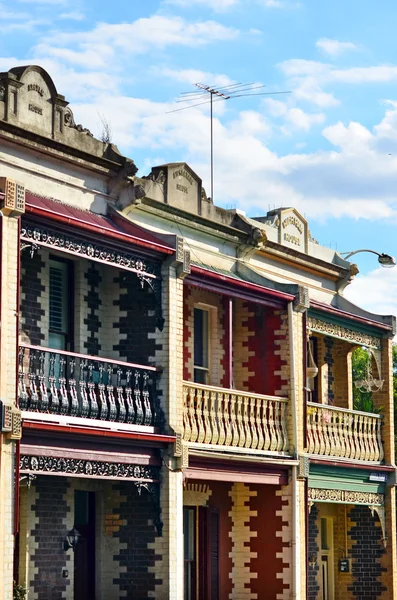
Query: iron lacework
pixel 143 477
pixel 147 271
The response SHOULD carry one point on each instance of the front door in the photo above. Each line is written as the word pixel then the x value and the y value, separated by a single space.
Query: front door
pixel 201 548
pixel 327 559
pixel 84 554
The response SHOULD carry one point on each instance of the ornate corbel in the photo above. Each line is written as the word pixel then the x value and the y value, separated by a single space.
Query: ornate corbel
pixel 154 491
pixel 380 511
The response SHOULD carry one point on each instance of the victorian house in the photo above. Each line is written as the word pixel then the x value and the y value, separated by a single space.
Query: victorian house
pixel 83 343
pixel 179 417
pixel 289 468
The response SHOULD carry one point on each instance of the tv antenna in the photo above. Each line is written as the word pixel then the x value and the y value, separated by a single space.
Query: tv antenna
pixel 227 92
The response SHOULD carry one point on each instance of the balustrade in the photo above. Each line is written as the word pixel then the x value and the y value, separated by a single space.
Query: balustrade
pixel 236 419
pixel 65 383
pixel 343 433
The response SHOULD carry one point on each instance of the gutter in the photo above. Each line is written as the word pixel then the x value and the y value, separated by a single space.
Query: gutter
pixel 343 314
pixel 120 237
pixel 246 285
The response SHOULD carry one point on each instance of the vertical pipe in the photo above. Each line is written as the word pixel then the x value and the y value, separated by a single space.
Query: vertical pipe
pixel 18 443
pixel 295 497
pixel 228 307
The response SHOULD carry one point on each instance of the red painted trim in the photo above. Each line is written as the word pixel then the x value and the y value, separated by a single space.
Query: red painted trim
pixel 81 224
pixel 227 286
pixel 246 285
pixel 271 478
pixel 332 463
pixel 341 313
pixel 150 437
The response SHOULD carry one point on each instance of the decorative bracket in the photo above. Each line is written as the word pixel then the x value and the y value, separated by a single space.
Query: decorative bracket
pixel 154 490
pixel 380 511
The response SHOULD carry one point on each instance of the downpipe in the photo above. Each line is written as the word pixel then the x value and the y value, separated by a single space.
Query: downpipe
pixel 295 508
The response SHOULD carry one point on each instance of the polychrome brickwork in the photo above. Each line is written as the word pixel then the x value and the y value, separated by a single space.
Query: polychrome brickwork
pixel 367 550
pixel 49 558
pixel 241 535
pixel 212 302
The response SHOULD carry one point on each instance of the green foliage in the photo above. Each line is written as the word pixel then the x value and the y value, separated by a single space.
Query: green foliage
pixel 20 591
pixel 361 400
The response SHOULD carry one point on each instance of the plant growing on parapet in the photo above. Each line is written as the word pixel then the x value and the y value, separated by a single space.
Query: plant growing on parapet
pixel 20 591
pixel 106 130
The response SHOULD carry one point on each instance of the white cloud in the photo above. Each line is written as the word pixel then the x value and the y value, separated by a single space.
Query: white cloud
pixel 351 179
pixel 44 2
pixel 376 291
pixel 138 37
pixel 216 5
pixel 334 48
pixel 302 120
pixel 191 76
pixel 310 91
pixel 8 15
pixel 362 75
pixel 72 16
pixel 279 4
pixel 308 78
pixel 295 118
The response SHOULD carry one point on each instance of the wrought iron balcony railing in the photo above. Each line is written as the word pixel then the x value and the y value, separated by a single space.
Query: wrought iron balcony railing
pixel 77 385
pixel 235 420
pixel 343 433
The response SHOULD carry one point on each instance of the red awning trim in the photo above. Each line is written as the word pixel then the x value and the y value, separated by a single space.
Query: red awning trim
pixel 222 469
pixel 47 208
pixel 270 478
pixel 88 431
pixel 344 314
pixel 238 288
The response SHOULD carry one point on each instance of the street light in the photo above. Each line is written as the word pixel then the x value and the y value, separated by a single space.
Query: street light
pixel 385 260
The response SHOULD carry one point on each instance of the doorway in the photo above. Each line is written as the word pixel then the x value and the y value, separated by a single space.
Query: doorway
pixel 84 554
pixel 327 559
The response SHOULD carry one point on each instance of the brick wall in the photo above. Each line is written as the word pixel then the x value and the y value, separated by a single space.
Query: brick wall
pixel 272 542
pixel 313 551
pixel 366 552
pixel 136 557
pixel 48 556
pixel 32 288
pixel 92 300
pixel 136 320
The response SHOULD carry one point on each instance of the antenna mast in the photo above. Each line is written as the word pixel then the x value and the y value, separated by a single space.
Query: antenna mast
pixel 228 92
pixel 212 92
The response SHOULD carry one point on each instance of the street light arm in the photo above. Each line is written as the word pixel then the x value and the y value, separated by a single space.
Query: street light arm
pixel 347 255
pixel 385 260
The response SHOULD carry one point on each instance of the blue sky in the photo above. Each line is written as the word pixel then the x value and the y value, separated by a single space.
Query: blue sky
pixel 329 147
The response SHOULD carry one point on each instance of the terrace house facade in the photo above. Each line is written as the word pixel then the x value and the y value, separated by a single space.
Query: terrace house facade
pixel 176 385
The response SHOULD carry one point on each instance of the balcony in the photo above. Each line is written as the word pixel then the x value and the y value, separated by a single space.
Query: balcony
pixel 55 382
pixel 232 420
pixel 343 433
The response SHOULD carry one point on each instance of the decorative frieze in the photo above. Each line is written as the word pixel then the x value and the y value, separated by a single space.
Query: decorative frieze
pixel 344 333
pixel 147 271
pixel 143 477
pixel 345 497
pixel 61 241
pixel 94 468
